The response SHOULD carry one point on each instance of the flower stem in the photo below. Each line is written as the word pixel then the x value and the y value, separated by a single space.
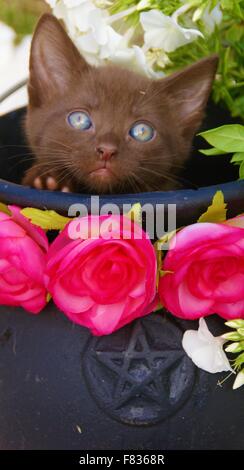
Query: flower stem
pixel 121 15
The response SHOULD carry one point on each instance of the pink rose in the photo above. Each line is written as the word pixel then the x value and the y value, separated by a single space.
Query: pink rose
pixel 23 248
pixel 103 283
pixel 206 271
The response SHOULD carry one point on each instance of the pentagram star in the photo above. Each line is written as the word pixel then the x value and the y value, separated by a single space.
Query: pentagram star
pixel 140 368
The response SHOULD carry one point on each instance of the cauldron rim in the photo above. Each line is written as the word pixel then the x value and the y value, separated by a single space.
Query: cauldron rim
pixel 190 203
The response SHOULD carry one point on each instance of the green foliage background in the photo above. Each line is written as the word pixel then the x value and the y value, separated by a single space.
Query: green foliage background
pixel 21 14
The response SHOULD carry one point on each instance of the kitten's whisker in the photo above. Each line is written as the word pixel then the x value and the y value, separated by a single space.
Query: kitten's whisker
pixel 161 160
pixel 162 174
pixel 138 183
pixel 64 174
pixel 48 165
pixel 27 154
pixel 49 162
pixel 133 185
pixel 21 155
pixel 181 179
pixel 60 143
pixel 30 154
pixel 166 175
pixel 20 146
pixel 159 164
pixel 28 148
pixel 49 171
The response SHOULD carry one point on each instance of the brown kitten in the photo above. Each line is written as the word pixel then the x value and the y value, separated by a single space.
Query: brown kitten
pixel 107 129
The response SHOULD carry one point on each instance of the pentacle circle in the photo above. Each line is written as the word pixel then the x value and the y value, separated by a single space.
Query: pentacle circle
pixel 140 374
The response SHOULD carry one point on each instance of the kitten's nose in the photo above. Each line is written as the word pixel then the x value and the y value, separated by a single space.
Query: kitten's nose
pixel 106 152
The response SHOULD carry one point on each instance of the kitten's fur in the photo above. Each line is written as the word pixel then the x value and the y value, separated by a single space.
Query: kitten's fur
pixel 61 81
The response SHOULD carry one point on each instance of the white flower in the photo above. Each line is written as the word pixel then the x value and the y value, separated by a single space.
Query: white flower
pixel 74 3
pixel 52 3
pixel 125 13
pixel 135 59
pixel 212 18
pixel 91 30
pixel 157 57
pixel 206 350
pixel 76 19
pixel 163 32
pixel 109 46
pixel 239 380
pixel 67 3
pixel 102 41
pixel 7 36
pixel 96 37
pixel 14 67
pixel 103 3
pixel 88 27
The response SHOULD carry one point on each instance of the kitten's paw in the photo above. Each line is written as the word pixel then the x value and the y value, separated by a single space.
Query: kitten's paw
pixel 52 182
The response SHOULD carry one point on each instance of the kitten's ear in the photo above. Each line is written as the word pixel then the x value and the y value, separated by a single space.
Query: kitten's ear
pixel 54 61
pixel 189 90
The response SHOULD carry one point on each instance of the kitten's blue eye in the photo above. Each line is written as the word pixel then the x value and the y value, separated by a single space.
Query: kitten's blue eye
pixel 79 120
pixel 142 132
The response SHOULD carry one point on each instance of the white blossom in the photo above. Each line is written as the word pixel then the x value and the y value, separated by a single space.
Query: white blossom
pixel 7 36
pixel 90 29
pixel 74 3
pixel 157 57
pixel 239 380
pixel 164 32
pixel 90 26
pixel 14 61
pixel 206 350
pixel 135 59
pixel 101 41
pixel 52 3
pixel 76 19
pixel 67 3
pixel 212 18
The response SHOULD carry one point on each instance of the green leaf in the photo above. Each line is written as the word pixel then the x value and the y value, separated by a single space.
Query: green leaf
pixel 159 307
pixel 135 214
pixel 241 171
pixel 212 151
pixel 238 157
pixel 48 297
pixel 235 347
pixel 165 239
pixel 5 209
pixel 158 246
pixel 163 273
pixel 198 13
pixel 216 212
pixel 48 220
pixel 239 381
pixel 239 360
pixel 229 138
pixel 232 336
pixel 226 4
pixel 238 323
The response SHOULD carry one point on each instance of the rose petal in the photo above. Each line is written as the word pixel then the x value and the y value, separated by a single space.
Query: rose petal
pixel 35 232
pixel 69 302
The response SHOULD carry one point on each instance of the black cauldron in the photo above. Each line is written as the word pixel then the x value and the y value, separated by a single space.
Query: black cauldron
pixel 61 388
